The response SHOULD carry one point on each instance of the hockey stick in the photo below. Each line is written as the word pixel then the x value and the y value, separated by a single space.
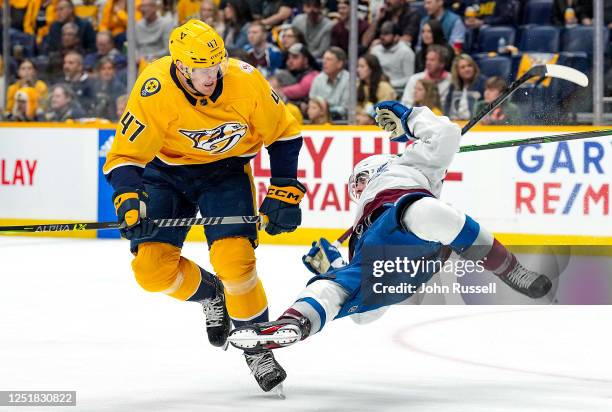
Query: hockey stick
pixel 543 70
pixel 536 140
pixel 179 222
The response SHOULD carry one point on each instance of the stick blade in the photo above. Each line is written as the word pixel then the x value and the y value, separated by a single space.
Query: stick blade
pixel 567 73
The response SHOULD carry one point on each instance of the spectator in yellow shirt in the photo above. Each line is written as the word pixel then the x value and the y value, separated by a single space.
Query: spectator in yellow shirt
pixel 31 17
pixel 26 78
pixel 115 19
pixel 25 108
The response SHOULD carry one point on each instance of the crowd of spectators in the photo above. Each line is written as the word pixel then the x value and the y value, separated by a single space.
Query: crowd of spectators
pixel 69 58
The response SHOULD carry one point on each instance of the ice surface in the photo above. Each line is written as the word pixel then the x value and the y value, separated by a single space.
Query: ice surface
pixel 73 318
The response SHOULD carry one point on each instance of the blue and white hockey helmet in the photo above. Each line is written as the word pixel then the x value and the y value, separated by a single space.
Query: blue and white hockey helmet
pixel 363 172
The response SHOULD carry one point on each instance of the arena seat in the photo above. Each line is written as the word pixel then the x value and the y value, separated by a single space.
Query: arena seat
pixel 23 42
pixel 538 12
pixel 488 38
pixel 494 65
pixel 580 39
pixel 535 38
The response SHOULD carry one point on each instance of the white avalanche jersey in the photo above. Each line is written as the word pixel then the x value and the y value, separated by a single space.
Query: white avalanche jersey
pixel 423 165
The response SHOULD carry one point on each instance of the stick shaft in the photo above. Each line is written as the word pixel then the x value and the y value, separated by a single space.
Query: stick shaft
pixel 347 233
pixel 78 227
pixel 536 140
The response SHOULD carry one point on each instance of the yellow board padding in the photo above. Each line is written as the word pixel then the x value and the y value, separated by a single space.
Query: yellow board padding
pixel 330 128
pixel 159 267
pixel 90 234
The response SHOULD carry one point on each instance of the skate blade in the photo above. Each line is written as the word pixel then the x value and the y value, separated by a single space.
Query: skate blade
pixel 279 391
pixel 249 339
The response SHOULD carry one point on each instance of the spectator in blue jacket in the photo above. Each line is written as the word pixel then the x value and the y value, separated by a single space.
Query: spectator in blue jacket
pixel 105 47
pixel 262 54
pixel 65 14
pixel 452 25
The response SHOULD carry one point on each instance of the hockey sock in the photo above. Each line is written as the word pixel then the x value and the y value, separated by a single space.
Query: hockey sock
pixel 206 289
pixel 233 260
pixel 159 267
pixel 247 307
pixel 478 244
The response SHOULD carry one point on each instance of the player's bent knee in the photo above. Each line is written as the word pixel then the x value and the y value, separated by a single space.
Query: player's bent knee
pixel 234 262
pixel 156 266
pixel 433 220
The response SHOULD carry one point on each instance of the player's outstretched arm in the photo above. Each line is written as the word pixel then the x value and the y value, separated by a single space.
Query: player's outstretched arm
pixel 436 138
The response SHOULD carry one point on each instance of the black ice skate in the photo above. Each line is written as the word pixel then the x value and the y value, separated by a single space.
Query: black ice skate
pixel 218 322
pixel 270 335
pixel 267 371
pixel 527 282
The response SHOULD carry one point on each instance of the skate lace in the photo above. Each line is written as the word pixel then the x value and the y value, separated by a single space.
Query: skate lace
pixel 261 364
pixel 213 309
pixel 522 277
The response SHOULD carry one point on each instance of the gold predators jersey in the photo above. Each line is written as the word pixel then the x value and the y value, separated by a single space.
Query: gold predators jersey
pixel 162 119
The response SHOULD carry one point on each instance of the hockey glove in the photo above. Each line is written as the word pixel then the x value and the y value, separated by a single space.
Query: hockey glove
pixel 282 205
pixel 322 257
pixel 131 208
pixel 392 116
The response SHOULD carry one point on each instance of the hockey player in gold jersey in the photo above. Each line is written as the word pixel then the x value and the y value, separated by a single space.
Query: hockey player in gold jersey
pixel 193 121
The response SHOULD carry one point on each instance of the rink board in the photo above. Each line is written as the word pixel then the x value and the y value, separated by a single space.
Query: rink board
pixel 540 194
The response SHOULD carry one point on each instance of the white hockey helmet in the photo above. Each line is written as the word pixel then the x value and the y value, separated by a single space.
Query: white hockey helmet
pixel 363 172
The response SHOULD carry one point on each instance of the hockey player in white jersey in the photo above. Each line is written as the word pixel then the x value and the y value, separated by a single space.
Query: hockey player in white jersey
pixel 398 215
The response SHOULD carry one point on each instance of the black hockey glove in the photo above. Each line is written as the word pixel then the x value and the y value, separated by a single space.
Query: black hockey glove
pixel 131 208
pixel 282 205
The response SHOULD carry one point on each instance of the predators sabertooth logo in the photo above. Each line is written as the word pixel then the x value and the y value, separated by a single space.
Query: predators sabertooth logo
pixel 219 140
